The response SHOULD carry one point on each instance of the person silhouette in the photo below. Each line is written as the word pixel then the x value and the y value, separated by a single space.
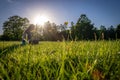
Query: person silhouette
pixel 27 34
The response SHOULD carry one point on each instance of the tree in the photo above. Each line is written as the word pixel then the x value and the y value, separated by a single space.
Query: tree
pixel 102 32
pixel 50 31
pixel 83 29
pixel 111 33
pixel 118 32
pixel 73 28
pixel 83 19
pixel 13 28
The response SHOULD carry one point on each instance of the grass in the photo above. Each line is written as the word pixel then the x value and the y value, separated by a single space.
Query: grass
pixel 83 60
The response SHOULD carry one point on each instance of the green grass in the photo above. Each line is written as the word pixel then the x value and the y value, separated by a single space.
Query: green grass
pixel 83 60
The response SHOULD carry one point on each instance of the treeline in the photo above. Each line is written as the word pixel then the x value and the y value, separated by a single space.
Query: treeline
pixel 83 29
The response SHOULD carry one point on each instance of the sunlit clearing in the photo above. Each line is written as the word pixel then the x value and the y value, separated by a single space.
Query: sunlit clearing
pixel 40 20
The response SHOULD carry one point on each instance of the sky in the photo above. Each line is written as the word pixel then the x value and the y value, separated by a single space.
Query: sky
pixel 100 12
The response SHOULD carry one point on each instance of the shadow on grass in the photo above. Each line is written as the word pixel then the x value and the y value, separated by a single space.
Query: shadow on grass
pixel 9 49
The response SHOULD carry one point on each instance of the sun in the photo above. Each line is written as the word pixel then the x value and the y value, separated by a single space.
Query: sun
pixel 40 19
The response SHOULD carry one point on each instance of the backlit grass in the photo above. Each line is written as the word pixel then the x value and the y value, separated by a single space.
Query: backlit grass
pixel 83 60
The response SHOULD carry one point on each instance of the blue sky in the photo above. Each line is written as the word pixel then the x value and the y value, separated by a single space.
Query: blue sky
pixel 100 12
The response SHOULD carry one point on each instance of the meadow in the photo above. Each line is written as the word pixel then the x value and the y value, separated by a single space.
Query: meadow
pixel 66 60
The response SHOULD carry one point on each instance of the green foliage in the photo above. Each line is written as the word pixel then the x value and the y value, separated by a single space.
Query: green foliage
pixel 50 32
pixel 83 29
pixel 13 28
pixel 84 60
pixel 118 32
